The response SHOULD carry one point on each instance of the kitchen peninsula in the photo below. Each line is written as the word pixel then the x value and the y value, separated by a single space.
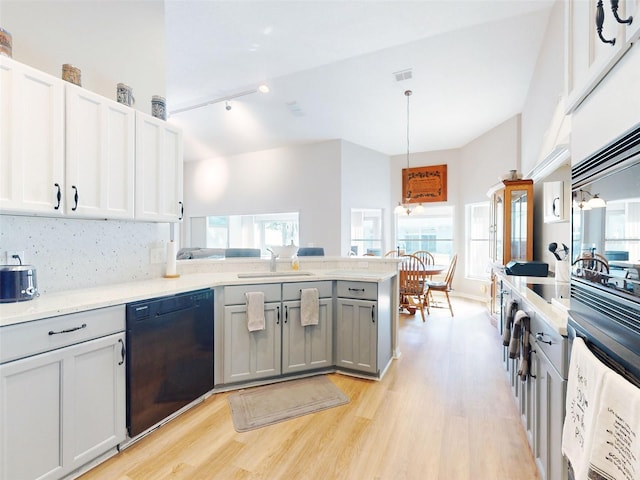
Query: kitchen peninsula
pixel 75 347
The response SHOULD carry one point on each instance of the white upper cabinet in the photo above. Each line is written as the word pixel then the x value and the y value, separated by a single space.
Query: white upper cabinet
pixel 591 54
pixel 67 151
pixel 31 140
pixel 100 156
pixel 633 30
pixel 158 170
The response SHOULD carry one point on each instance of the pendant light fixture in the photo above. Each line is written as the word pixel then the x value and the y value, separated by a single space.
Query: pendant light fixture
pixel 403 207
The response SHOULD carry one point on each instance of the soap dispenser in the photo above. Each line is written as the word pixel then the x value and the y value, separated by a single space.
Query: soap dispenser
pixel 295 264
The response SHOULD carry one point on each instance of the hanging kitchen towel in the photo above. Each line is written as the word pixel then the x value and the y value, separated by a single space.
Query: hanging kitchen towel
pixel 525 348
pixel 615 448
pixel 516 334
pixel 512 308
pixel 584 382
pixel 309 306
pixel 255 311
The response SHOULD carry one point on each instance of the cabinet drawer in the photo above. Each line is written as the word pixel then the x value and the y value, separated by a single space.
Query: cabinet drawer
pixel 234 295
pixel 30 338
pixel 291 291
pixel 556 352
pixel 364 290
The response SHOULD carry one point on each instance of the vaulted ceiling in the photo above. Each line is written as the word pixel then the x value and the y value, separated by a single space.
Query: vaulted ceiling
pixel 331 69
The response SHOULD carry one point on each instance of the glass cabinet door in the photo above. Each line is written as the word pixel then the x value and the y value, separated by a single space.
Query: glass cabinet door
pixel 518 221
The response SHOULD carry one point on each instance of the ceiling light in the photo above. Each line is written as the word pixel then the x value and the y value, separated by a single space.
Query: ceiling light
pixel 264 88
pixel 227 106
pixel 403 208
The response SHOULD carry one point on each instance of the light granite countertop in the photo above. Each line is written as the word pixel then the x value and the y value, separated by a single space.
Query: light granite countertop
pixel 554 313
pixel 62 303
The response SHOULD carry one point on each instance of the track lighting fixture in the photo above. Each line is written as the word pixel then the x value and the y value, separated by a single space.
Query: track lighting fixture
pixel 261 88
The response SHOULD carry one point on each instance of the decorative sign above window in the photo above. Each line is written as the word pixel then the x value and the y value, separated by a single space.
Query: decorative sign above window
pixel 424 184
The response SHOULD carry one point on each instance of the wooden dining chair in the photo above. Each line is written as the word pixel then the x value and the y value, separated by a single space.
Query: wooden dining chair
pixel 392 253
pixel 445 285
pixel 425 256
pixel 428 259
pixel 412 285
pixel 592 268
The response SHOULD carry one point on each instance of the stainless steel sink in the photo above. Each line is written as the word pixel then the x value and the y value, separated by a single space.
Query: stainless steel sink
pixel 274 274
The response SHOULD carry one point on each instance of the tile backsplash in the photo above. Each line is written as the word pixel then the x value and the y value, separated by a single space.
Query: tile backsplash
pixel 75 253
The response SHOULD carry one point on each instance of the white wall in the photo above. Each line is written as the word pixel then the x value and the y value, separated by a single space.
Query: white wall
pixel 111 42
pixel 365 184
pixel 545 91
pixel 306 179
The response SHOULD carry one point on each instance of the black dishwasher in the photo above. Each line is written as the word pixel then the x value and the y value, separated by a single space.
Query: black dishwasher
pixel 169 356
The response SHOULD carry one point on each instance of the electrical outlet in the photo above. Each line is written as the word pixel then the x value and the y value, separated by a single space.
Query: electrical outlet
pixel 156 254
pixel 15 257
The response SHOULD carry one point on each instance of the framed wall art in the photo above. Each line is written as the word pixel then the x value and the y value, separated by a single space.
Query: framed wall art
pixel 424 184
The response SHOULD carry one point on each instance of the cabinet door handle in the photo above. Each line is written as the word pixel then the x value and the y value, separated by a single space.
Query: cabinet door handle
pixel 373 314
pixel 75 197
pixel 614 9
pixel 122 351
pixel 278 315
pixel 540 337
pixel 286 313
pixel 600 23
pixel 531 354
pixel 181 210
pixel 361 290
pixel 69 330
pixel 58 196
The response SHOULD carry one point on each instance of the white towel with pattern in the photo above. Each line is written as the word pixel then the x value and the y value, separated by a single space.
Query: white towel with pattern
pixel 615 451
pixel 585 379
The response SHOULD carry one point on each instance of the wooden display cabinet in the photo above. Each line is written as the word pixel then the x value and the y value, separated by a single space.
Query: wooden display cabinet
pixel 511 228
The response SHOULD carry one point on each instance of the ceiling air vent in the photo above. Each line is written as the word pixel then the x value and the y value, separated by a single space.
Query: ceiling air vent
pixel 403 75
pixel 295 109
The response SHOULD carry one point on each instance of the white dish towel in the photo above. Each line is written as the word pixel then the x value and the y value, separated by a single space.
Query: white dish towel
pixel 309 306
pixel 255 311
pixel 586 375
pixel 615 451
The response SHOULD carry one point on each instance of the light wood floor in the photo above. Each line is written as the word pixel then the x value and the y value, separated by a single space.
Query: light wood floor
pixel 443 411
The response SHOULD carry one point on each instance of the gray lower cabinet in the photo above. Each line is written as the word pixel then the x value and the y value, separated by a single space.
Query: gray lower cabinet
pixel 309 347
pixel 251 355
pixel 363 326
pixel 540 399
pixel 551 390
pixel 357 335
pixel 284 346
pixel 64 407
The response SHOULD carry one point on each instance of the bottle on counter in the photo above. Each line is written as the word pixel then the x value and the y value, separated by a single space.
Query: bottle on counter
pixel 295 263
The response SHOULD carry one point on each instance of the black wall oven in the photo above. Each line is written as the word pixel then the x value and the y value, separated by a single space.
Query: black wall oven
pixel 604 287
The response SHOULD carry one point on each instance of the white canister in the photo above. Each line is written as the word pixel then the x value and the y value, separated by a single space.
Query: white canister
pixel 562 271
